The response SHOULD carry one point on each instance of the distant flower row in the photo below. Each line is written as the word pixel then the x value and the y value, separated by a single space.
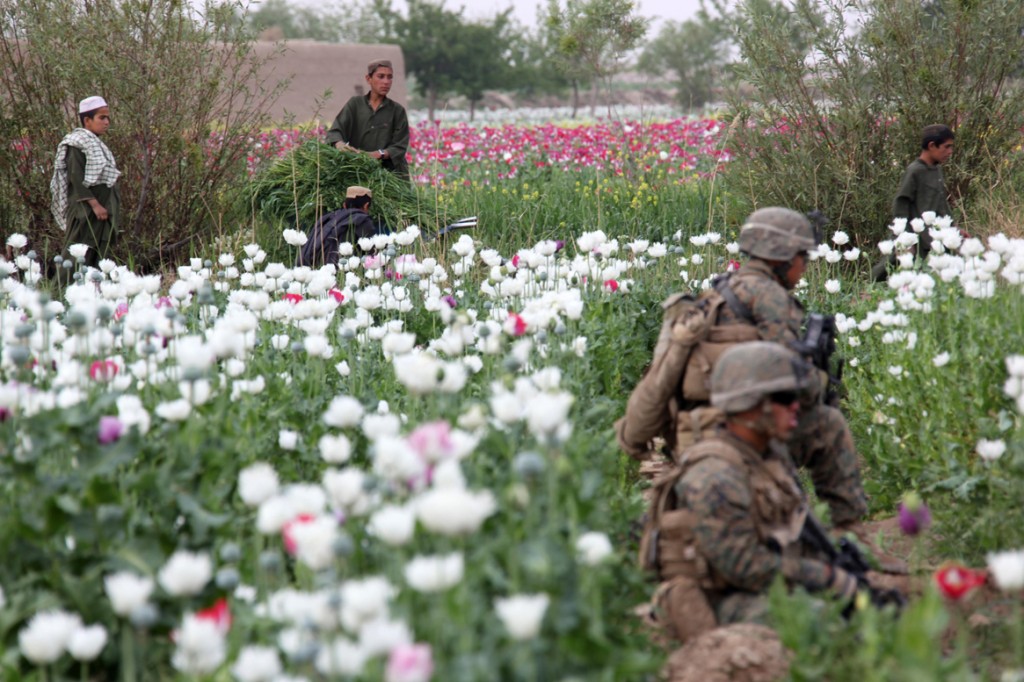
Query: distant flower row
pixel 541 115
pixel 680 148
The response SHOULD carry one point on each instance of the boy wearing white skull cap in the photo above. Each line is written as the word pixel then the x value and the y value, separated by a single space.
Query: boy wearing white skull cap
pixel 86 200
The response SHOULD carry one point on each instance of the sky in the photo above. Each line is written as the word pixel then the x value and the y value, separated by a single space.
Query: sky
pixel 525 11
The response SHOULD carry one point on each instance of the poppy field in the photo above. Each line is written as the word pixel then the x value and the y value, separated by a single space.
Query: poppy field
pixel 402 467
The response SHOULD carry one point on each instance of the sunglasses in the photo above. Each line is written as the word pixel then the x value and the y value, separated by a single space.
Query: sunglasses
pixel 784 397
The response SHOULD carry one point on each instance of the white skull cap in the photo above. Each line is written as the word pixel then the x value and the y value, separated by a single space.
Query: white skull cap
pixel 91 104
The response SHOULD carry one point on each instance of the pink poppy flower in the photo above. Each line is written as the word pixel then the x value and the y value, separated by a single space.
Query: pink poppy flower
pixel 110 429
pixel 103 370
pixel 286 532
pixel 410 663
pixel 219 614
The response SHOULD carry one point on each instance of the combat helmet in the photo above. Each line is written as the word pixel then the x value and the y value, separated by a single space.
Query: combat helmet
pixel 748 372
pixel 777 233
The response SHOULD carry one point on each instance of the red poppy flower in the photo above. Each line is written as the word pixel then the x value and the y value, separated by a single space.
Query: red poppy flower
pixel 337 295
pixel 219 614
pixel 519 324
pixel 611 285
pixel 955 581
pixel 293 298
pixel 286 533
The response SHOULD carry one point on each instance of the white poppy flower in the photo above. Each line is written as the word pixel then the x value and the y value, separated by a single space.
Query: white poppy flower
pixel 434 573
pixel 593 548
pixel 185 573
pixel 86 643
pixel 127 591
pixel 990 450
pixel 1007 569
pixel 522 614
pixel 257 664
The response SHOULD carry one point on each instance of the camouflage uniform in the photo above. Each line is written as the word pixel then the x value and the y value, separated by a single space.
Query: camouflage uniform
pixel 823 442
pixel 721 496
pixel 728 520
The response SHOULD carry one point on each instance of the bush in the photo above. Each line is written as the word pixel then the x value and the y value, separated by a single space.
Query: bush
pixel 184 99
pixel 833 126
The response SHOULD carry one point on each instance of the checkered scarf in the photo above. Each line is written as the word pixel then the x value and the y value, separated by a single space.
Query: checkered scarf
pixel 100 169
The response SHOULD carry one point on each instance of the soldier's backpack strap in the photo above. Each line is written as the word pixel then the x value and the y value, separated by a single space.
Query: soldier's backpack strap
pixel 722 286
pixel 673 308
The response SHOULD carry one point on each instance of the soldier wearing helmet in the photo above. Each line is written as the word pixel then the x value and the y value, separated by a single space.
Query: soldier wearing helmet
pixel 728 519
pixel 778 240
pixel 756 303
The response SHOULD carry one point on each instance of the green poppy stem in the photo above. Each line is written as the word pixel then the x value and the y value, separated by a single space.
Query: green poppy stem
pixel 128 673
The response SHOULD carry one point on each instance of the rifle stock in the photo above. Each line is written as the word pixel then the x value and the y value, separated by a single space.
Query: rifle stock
pixel 819 344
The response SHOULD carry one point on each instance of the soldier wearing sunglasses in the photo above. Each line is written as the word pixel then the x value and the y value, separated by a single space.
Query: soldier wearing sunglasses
pixel 759 301
pixel 731 517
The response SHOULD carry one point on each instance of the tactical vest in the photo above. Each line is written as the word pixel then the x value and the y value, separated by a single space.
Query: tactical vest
pixel 669 546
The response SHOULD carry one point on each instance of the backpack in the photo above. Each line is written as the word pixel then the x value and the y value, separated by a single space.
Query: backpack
pixel 693 321
pixel 678 380
pixel 668 541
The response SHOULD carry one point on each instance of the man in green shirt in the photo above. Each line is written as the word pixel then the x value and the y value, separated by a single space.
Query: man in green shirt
pixel 374 124
pixel 922 189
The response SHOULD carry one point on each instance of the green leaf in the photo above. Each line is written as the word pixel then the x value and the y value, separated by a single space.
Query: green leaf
pixel 198 515
pixel 69 505
pixel 964 490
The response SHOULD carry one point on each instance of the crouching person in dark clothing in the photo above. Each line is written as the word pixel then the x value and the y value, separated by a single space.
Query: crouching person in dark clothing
pixel 350 223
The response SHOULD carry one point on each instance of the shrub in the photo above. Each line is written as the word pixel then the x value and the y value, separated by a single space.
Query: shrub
pixel 184 99
pixel 833 126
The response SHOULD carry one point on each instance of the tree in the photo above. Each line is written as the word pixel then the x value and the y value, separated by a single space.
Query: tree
pixel 795 22
pixel 697 51
pixel 483 56
pixel 833 126
pixel 185 97
pixel 330 24
pixel 430 35
pixel 531 55
pixel 700 51
pixel 593 36
pixel 447 54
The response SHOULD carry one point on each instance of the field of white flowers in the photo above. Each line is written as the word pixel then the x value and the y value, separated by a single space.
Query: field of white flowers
pixel 402 468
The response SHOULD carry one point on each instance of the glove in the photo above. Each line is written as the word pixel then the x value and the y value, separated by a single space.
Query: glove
pixel 843 585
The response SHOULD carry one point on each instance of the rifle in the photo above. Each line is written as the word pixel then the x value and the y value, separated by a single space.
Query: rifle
pixel 819 344
pixel 849 558
pixel 462 224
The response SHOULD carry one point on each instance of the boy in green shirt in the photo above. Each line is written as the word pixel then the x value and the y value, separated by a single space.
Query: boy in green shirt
pixel 374 124
pixel 922 189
